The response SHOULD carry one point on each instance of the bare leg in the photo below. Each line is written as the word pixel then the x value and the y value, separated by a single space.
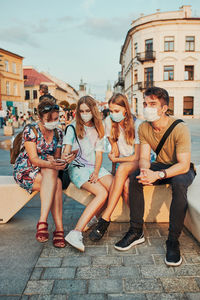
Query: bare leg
pixel 122 174
pixel 45 182
pixel 101 194
pixel 57 205
pixel 126 191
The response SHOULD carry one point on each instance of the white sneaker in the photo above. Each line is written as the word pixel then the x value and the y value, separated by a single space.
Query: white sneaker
pixel 75 238
pixel 92 222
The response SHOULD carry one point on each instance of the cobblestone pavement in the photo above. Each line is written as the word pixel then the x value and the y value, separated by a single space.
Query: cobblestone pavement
pixel 30 270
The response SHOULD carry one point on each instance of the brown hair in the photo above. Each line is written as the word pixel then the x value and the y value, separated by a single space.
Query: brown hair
pixel 41 108
pixel 43 88
pixel 121 100
pixel 91 103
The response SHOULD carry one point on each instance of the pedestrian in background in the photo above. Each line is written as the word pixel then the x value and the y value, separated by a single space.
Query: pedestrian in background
pixel 44 93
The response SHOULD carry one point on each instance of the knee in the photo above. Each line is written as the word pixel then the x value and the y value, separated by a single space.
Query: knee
pixel 103 193
pixel 51 174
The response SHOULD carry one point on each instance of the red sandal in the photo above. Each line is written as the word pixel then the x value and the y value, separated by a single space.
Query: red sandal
pixel 58 238
pixel 42 235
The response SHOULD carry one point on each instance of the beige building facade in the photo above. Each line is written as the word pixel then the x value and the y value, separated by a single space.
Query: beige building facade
pixel 11 82
pixel 163 49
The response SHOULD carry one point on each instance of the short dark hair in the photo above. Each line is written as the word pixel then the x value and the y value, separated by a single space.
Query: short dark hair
pixel 160 93
pixel 44 88
pixel 40 109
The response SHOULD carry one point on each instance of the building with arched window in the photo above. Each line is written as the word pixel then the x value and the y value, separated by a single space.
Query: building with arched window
pixel 163 49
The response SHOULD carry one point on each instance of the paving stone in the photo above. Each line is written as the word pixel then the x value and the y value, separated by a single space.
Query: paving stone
pixel 157 271
pixel 141 285
pixel 193 296
pixel 70 287
pixel 124 272
pixel 92 272
pixel 36 275
pixel 144 249
pixel 138 260
pixel 105 286
pixel 164 296
pixel 106 260
pixel 159 259
pixel 152 232
pixel 45 252
pixel 192 258
pixel 76 261
pixel 198 281
pixel 53 297
pixel 39 287
pixel 112 251
pixel 127 297
pixel 59 273
pixel 88 297
pixel 25 297
pixel 187 270
pixel 49 262
pixel 179 285
pixel 33 297
pixel 56 252
pixel 93 251
pixel 10 297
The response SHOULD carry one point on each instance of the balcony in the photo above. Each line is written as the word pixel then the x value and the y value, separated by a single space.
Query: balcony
pixel 146 56
pixel 145 85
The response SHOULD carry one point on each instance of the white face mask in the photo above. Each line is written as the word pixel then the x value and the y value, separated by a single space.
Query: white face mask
pixel 86 117
pixel 51 125
pixel 151 114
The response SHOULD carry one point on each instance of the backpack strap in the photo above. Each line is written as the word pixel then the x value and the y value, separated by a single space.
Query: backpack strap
pixel 166 134
pixel 70 125
pixel 34 130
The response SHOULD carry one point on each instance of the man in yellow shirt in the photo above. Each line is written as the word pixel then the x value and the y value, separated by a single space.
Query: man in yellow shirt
pixel 172 166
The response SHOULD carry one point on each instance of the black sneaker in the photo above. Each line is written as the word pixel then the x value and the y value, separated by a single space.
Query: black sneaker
pixel 173 257
pixel 98 232
pixel 130 239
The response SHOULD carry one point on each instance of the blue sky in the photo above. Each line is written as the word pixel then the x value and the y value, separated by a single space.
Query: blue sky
pixel 74 39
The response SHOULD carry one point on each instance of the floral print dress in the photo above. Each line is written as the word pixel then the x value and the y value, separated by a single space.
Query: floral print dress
pixel 24 172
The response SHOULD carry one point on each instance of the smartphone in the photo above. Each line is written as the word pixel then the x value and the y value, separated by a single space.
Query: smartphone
pixel 60 160
pixel 74 152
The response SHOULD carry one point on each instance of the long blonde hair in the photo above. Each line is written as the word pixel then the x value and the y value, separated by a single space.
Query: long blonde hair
pixel 129 127
pixel 91 103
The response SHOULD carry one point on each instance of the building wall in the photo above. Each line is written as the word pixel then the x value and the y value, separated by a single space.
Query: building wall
pixel 179 58
pixel 11 77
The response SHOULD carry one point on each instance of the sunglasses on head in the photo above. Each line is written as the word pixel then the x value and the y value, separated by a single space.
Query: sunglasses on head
pixel 50 107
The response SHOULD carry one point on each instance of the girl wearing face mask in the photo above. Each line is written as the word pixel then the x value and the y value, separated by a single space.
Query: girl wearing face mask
pixel 85 170
pixel 122 132
pixel 36 169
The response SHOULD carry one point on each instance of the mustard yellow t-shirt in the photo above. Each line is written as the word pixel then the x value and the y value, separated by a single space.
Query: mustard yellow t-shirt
pixel 177 142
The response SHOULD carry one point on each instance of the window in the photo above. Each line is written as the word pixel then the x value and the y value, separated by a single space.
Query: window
pixel 148 77
pixel 7 88
pixel 6 66
pixel 34 94
pixel 169 43
pixel 171 106
pixel 168 72
pixel 27 95
pixel 136 48
pixel 189 73
pixel 188 103
pixel 135 76
pixel 149 45
pixel 15 89
pixel 14 67
pixel 189 43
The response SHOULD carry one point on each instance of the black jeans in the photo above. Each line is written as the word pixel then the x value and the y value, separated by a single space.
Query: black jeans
pixel 178 206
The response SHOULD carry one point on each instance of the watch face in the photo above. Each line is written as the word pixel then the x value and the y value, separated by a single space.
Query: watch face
pixel 161 174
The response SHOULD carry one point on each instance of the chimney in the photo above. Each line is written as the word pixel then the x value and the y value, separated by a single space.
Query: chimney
pixel 187 11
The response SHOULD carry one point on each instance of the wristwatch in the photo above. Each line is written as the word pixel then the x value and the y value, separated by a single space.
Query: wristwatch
pixel 162 174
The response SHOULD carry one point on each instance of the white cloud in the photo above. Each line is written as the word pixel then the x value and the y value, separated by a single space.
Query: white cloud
pixel 112 29
pixel 17 35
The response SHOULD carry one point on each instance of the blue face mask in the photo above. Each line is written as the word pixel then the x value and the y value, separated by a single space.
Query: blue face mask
pixel 117 117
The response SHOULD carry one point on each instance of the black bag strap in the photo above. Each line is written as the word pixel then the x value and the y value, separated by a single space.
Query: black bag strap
pixel 166 134
pixel 70 125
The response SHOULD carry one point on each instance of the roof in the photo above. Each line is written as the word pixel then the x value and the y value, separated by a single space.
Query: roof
pixel 10 53
pixel 34 77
